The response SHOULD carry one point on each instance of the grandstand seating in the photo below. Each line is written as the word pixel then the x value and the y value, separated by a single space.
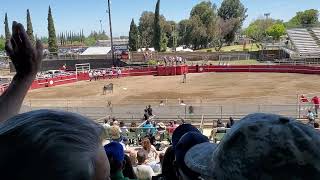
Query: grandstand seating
pixel 316 32
pixel 304 43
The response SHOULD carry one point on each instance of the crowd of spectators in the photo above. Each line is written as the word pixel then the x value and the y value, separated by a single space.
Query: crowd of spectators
pixel 173 60
pixel 109 73
pixel 52 145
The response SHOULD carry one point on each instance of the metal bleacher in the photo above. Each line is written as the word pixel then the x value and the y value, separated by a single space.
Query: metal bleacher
pixel 304 43
pixel 316 32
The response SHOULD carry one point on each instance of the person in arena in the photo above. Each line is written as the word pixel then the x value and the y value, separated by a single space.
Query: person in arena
pixel 260 146
pixel 149 109
pixel 115 153
pixel 31 143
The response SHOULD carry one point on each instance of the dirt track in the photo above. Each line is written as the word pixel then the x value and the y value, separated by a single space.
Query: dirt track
pixel 215 88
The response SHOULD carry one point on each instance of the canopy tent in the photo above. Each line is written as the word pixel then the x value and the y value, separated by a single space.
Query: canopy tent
pixel 97 51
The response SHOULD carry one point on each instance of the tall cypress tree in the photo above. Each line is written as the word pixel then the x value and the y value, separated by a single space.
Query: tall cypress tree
pixel 157 28
pixel 29 27
pixel 133 37
pixel 52 41
pixel 6 28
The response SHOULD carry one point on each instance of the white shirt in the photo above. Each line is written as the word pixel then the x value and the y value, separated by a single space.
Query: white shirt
pixel 143 172
pixel 310 115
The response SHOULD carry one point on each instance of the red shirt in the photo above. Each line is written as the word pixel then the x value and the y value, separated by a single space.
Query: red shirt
pixel 315 101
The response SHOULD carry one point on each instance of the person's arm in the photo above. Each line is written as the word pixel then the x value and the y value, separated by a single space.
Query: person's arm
pixel 26 60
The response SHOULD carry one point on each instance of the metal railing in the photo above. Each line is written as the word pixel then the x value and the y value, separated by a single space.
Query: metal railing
pixel 200 112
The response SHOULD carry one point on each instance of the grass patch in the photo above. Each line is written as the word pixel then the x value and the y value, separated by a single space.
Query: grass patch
pixel 249 47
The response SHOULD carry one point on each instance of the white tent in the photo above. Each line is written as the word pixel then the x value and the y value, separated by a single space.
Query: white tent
pixel 144 49
pixel 97 51
pixel 181 49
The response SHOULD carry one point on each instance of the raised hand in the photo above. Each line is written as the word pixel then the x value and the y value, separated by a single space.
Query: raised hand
pixel 25 58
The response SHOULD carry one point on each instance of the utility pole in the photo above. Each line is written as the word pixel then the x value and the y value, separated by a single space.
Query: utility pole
pixel 100 26
pixel 111 38
pixel 267 15
pixel 173 34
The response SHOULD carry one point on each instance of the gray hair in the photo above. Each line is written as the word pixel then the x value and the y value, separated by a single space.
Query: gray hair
pixel 50 145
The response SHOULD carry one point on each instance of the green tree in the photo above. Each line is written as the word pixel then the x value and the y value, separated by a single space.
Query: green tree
pixel 133 37
pixel 157 28
pixel 232 9
pixel 52 40
pixel 221 28
pixel 183 37
pixel 197 32
pixel 304 18
pixel 6 28
pixel 146 23
pixel 206 13
pixel 44 40
pixel 164 42
pixel 2 43
pixel 257 30
pixel 90 41
pixel 30 28
pixel 276 31
pixel 170 30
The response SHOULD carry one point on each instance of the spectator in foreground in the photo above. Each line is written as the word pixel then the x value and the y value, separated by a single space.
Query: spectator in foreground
pixel 186 142
pixel 148 128
pixel 260 146
pixel 31 143
pixel 106 124
pixel 26 59
pixel 180 131
pixel 123 128
pixel 143 171
pixel 133 127
pixel 52 145
pixel 115 153
pixel 310 117
pixel 128 170
pixel 167 166
pixel 151 154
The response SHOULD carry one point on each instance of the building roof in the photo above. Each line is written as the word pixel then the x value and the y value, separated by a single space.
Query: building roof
pixel 97 51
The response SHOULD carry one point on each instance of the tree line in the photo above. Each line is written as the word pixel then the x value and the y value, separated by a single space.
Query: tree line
pixel 53 40
pixel 210 27
pixel 207 26
pixel 263 28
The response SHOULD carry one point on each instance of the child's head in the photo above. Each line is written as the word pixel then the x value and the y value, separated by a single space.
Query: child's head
pixel 141 157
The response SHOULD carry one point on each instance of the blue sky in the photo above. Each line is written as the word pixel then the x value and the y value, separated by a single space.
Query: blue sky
pixel 86 14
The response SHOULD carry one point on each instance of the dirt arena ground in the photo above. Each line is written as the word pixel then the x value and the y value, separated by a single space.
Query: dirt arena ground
pixel 214 88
